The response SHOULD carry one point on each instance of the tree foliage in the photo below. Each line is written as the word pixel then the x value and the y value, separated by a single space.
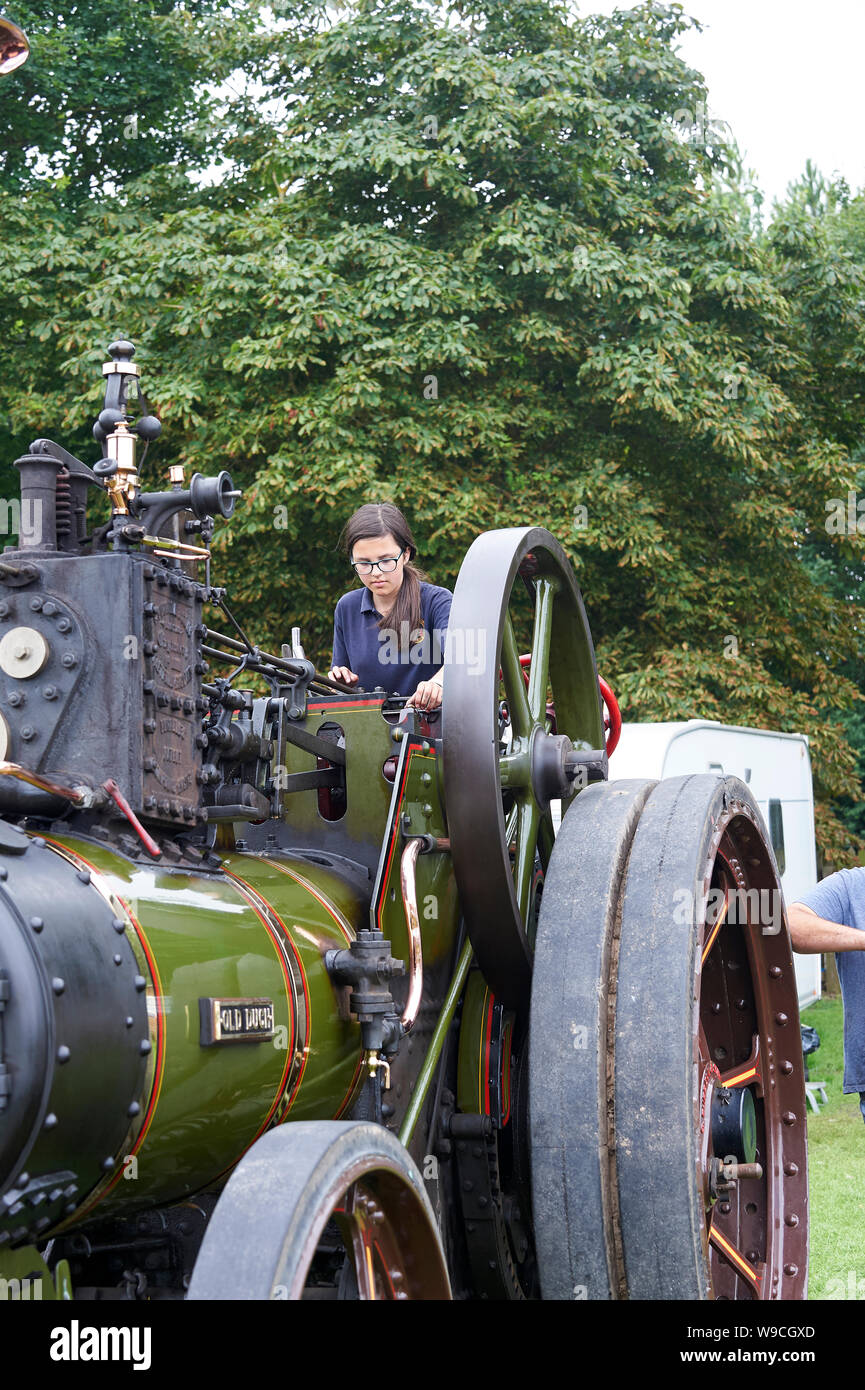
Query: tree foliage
pixel 486 264
pixel 111 92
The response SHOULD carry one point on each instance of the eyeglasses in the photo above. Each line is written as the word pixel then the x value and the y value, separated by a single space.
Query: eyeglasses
pixel 367 566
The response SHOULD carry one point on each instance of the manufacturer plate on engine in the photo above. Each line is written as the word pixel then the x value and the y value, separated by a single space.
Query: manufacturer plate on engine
pixel 235 1020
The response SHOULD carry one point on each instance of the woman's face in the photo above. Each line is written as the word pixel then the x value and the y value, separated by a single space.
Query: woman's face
pixel 384 587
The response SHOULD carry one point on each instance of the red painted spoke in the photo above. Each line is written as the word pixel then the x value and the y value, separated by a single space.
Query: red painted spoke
pixel 383 1265
pixel 748 1073
pixel 716 926
pixel 752 1274
pixel 361 1242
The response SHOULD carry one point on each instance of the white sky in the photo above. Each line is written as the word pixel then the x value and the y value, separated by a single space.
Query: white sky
pixel 788 76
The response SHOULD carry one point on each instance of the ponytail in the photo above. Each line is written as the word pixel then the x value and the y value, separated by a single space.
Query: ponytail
pixel 406 606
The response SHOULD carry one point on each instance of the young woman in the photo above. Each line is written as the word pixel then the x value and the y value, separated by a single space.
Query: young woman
pixel 390 633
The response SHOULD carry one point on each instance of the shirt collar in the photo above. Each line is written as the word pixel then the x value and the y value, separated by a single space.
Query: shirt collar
pixel 366 603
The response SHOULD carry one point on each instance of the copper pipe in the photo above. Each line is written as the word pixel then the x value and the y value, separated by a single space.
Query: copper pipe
pixel 24 774
pixel 178 550
pixel 408 886
pixel 174 555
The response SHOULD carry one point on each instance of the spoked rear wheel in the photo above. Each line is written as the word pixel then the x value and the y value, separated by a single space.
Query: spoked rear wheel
pixel 323 1209
pixel 708 1056
pixel 690 1060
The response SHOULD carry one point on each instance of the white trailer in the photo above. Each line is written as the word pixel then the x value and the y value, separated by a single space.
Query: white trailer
pixel 776 767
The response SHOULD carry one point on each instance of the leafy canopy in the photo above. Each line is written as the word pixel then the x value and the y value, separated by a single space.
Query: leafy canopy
pixel 487 262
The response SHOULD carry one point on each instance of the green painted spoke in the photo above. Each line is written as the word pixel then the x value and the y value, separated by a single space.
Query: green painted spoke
pixel 539 674
pixel 515 770
pixel 515 686
pixel 524 864
pixel 546 840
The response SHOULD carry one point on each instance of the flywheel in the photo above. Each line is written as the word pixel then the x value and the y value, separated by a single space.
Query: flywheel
pixel 504 757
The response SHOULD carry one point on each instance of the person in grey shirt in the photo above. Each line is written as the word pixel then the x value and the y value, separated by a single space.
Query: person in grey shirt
pixel 832 918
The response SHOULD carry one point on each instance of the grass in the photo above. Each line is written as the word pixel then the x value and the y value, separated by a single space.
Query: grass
pixel 836 1149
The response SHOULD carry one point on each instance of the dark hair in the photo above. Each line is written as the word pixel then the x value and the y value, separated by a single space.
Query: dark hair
pixel 380 519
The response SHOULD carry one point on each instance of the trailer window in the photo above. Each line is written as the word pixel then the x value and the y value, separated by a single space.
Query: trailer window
pixel 776 833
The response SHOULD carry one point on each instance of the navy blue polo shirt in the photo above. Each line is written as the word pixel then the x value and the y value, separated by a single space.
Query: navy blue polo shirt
pixel 384 656
pixel 841 898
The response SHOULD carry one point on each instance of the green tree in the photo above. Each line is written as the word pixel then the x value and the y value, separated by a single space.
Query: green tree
pixel 112 91
pixel 820 213
pixel 492 265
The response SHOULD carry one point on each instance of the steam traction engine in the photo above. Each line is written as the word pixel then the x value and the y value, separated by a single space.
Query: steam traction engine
pixel 300 995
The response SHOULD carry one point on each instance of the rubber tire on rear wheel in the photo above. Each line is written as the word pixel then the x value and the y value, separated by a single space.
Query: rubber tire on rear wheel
pixel 568 1049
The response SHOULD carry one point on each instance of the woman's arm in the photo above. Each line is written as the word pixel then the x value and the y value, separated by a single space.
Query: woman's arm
pixel 342 673
pixel 340 670
pixel 429 693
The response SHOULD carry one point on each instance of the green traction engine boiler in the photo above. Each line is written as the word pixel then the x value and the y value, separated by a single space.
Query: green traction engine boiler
pixel 301 994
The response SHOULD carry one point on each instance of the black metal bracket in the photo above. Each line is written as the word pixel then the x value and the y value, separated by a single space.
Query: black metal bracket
pixel 308 781
pixel 311 743
pixel 589 764
pixel 367 965
pixel 77 469
pixel 296 694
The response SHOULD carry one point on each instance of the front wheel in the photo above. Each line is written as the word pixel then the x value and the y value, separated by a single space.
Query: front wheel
pixel 323 1209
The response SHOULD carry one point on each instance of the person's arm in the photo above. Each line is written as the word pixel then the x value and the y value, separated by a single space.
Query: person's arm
pixel 429 693
pixel 340 670
pixel 810 933
pixel 342 673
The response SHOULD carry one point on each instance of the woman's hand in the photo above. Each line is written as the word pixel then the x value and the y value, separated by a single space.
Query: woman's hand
pixel 427 696
pixel 342 673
